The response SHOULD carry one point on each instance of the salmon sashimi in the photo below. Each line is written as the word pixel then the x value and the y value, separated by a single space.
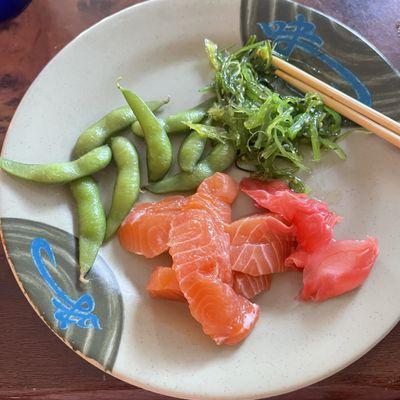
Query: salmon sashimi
pixel 200 247
pixel 263 258
pixel 313 221
pixel 163 284
pixel 334 269
pixel 249 286
pixel 145 231
pixel 257 228
pixel 216 196
pixel 218 265
pixel 199 243
pixel 260 244
pixel 219 186
pixel 224 315
pixel 207 212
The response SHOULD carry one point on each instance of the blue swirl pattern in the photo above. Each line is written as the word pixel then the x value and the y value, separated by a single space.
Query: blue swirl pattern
pixel 67 311
pixel 301 34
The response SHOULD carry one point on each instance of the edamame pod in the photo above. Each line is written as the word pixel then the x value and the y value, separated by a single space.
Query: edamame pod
pixel 86 165
pixel 220 158
pixel 159 148
pixel 127 184
pixel 191 150
pixel 92 222
pixel 112 123
pixel 177 122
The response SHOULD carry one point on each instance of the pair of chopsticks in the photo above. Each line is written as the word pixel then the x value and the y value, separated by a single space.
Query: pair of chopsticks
pixel 365 116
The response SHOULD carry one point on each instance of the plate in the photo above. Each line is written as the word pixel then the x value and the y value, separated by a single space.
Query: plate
pixel 157 47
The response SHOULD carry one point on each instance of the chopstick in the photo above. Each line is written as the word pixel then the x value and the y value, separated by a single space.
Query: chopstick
pixel 339 96
pixel 343 109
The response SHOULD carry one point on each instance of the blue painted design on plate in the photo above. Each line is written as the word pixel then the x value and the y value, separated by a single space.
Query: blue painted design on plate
pixel 67 311
pixel 301 34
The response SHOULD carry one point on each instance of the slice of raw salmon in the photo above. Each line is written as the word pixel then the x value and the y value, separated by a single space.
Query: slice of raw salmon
pixel 198 243
pixel 224 315
pixel 163 284
pixel 260 244
pixel 249 286
pixel 219 186
pixel 257 227
pixel 215 194
pixel 145 231
pixel 260 259
pixel 200 248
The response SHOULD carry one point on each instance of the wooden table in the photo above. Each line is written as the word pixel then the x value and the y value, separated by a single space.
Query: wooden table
pixel 34 364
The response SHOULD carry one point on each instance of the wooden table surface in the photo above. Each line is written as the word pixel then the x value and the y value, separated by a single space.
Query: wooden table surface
pixel 34 364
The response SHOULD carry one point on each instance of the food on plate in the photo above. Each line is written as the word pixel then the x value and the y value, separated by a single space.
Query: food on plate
pixel 245 121
pixel 146 229
pixel 163 284
pixel 313 221
pixel 220 158
pixel 219 265
pixel 199 247
pixel 334 268
pixel 112 123
pixel 159 148
pixel 127 183
pixel 250 286
pixel 191 150
pixel 267 128
pixel 260 244
pixel 178 122
pixel 88 164
pixel 92 222
pixel 330 267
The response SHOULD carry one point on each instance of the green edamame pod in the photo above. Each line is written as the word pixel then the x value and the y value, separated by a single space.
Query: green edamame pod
pixel 127 185
pixel 86 165
pixel 112 123
pixel 177 122
pixel 92 222
pixel 159 148
pixel 191 150
pixel 220 158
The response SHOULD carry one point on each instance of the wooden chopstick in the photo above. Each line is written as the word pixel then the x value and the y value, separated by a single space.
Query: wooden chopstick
pixel 343 109
pixel 339 96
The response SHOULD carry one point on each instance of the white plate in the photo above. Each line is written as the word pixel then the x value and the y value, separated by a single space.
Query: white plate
pixel 158 49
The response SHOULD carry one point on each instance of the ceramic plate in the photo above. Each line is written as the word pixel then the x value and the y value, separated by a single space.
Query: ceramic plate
pixel 158 48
